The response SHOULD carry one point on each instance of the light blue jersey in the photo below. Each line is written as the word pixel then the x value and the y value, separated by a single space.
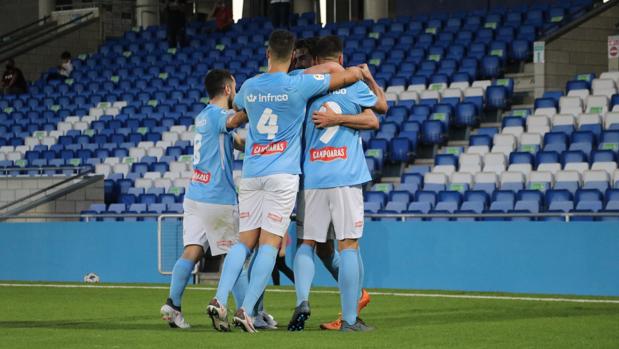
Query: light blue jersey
pixel 333 156
pixel 212 159
pixel 275 104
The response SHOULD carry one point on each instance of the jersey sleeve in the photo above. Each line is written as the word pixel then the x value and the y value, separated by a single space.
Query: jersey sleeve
pixel 221 122
pixel 363 96
pixel 239 99
pixel 311 85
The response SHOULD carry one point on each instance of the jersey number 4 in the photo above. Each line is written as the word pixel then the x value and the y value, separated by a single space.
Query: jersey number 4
pixel 268 123
pixel 330 132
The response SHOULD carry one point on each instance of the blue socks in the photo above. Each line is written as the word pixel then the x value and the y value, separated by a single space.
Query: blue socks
pixel 180 277
pixel 240 288
pixel 361 271
pixel 233 265
pixel 259 276
pixel 303 272
pixel 349 284
pixel 334 266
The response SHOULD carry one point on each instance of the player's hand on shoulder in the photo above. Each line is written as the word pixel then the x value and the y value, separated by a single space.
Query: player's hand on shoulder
pixel 365 70
pixel 325 117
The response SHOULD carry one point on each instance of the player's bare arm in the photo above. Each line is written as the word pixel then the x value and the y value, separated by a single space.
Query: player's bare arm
pixel 345 78
pixel 366 120
pixel 381 103
pixel 239 142
pixel 236 120
pixel 325 68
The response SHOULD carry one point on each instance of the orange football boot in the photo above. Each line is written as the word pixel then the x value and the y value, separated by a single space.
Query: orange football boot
pixel 335 325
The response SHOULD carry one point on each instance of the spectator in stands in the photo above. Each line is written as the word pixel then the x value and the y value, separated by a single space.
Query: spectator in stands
pixel 223 17
pixel 13 81
pixel 176 24
pixel 280 13
pixel 64 69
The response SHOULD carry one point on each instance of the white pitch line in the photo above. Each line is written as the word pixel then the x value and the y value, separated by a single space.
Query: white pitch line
pixel 392 294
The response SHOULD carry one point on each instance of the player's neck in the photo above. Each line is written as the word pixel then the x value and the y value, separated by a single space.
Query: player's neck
pixel 220 101
pixel 327 60
pixel 278 67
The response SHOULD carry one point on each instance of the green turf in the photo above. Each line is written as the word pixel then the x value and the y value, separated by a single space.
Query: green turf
pixel 35 317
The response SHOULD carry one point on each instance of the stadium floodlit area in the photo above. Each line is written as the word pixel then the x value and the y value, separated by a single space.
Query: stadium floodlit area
pixel 490 219
pixel 78 316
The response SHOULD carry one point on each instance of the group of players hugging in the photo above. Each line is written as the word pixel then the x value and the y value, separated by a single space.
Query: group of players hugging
pixel 302 148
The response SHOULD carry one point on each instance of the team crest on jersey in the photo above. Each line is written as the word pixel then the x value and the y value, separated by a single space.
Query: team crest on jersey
pixel 201 177
pixel 328 154
pixel 319 77
pixel 201 121
pixel 269 149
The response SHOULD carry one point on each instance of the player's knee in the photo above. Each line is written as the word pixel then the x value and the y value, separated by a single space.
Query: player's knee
pixel 249 238
pixel 348 244
pixel 310 243
pixel 193 253
pixel 268 238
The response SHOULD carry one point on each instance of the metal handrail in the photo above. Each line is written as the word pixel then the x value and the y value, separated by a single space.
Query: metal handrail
pixel 578 21
pixel 57 28
pixel 161 216
pixel 26 26
pixel 88 169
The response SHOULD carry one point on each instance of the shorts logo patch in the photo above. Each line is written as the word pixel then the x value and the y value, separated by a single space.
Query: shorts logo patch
pixel 226 244
pixel 358 224
pixel 201 177
pixel 269 149
pixel 244 215
pixel 275 217
pixel 327 154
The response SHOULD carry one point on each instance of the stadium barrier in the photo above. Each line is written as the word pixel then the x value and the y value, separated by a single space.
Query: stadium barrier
pixel 525 257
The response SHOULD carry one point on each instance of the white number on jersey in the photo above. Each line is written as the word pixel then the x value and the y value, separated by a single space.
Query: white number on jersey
pixel 330 132
pixel 268 123
pixel 197 143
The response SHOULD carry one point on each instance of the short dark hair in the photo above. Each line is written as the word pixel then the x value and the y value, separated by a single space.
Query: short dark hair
pixel 65 55
pixel 215 82
pixel 329 46
pixel 281 44
pixel 312 45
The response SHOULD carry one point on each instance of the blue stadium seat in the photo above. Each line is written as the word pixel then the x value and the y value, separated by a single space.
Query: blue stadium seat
pixel 376 196
pixel 448 201
pixel 433 132
pixel 559 200
pixel 400 149
pixel 503 200
pixel 589 200
pixel 497 97
pixel 529 200
pixel 555 141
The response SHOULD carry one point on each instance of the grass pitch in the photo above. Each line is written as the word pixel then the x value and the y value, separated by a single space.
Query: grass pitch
pixel 58 317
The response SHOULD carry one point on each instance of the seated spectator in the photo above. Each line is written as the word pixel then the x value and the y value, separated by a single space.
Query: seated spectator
pixel 64 69
pixel 223 17
pixel 13 81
